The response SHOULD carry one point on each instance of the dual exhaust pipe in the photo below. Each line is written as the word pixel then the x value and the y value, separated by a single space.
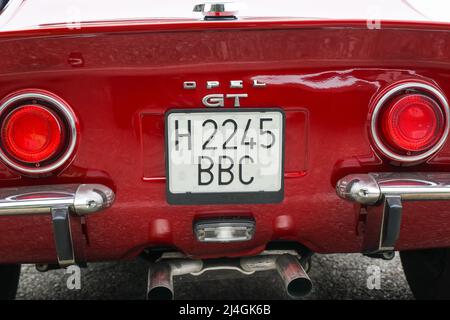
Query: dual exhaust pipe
pixel 295 279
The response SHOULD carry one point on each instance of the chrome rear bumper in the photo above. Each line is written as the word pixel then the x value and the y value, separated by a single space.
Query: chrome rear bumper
pixel 59 201
pixel 387 191
pixel 370 188
pixel 82 199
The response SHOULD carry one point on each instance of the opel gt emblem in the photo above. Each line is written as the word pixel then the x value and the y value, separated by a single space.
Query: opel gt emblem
pixel 217 100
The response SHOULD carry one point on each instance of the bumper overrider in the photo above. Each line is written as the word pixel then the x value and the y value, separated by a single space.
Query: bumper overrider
pixel 59 201
pixel 387 191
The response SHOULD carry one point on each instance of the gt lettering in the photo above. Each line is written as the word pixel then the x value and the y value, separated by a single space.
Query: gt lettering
pixel 218 100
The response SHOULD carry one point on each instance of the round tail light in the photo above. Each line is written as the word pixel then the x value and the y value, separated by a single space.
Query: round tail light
pixel 411 122
pixel 38 133
pixel 32 134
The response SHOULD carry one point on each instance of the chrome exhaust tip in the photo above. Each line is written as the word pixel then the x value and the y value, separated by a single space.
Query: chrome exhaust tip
pixel 160 293
pixel 160 282
pixel 299 288
pixel 296 280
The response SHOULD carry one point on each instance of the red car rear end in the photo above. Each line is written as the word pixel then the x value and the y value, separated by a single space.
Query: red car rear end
pixel 276 123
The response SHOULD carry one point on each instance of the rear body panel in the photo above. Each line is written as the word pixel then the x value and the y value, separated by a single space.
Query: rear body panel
pixel 121 81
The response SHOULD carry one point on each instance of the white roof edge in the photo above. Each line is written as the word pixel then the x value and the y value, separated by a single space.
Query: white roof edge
pixel 32 14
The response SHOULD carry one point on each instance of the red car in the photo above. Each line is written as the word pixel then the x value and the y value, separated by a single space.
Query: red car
pixel 243 136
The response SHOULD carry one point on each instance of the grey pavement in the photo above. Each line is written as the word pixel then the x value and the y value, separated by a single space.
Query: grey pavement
pixel 337 276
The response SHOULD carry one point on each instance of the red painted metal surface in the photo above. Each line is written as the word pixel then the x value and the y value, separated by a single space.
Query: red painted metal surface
pixel 120 84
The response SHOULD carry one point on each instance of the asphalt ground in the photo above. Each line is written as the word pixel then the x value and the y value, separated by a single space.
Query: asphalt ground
pixel 338 276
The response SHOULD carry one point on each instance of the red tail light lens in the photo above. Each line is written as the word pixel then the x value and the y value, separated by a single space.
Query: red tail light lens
pixel 412 123
pixel 32 134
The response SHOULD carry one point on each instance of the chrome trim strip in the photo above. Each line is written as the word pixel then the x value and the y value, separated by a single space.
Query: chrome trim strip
pixel 387 96
pixel 70 117
pixel 81 199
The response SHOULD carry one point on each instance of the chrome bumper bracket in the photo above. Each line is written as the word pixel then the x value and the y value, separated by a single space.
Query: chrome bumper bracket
pixel 387 191
pixel 63 236
pixel 59 201
pixel 382 228
pixel 392 219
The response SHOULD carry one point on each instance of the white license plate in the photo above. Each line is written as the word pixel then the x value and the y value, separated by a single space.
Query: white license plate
pixel 225 156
